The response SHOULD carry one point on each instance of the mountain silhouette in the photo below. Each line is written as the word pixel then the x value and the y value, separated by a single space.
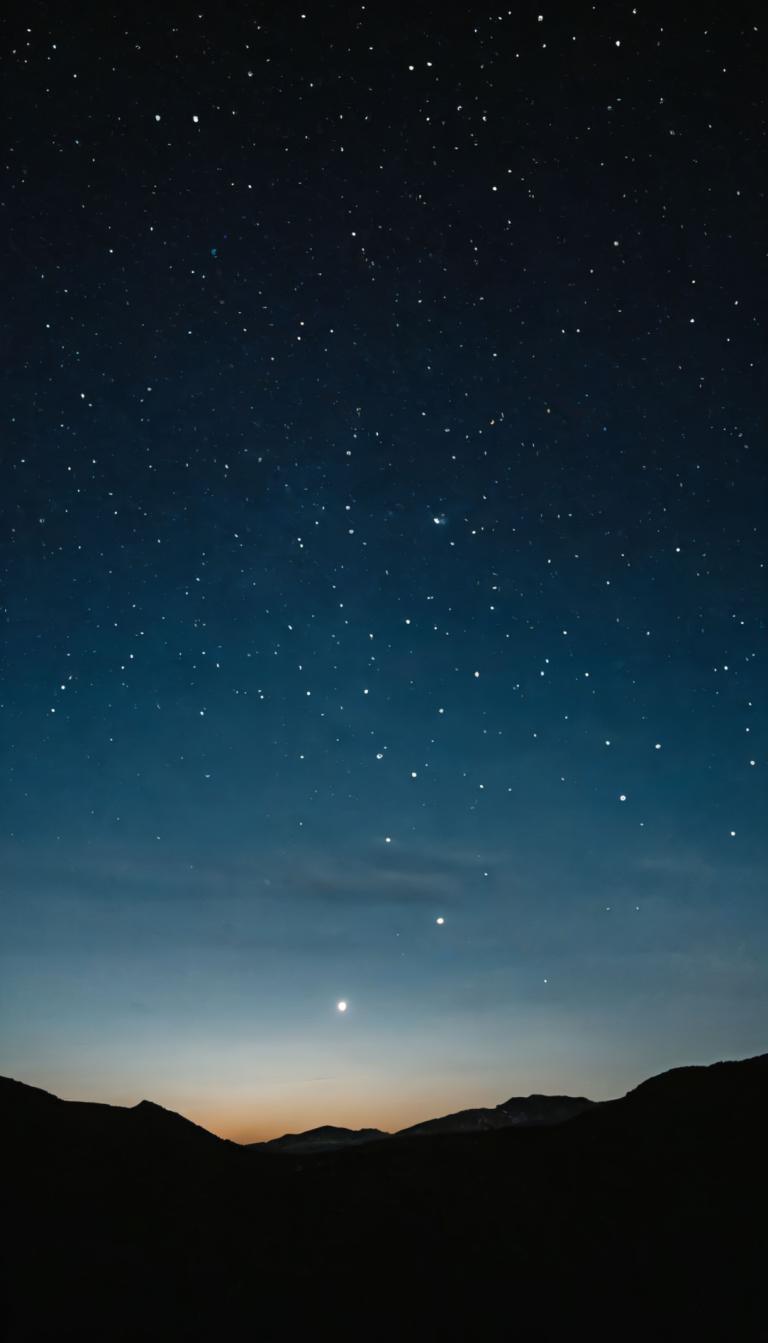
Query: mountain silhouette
pixel 35 1113
pixel 518 1111
pixel 634 1218
pixel 321 1139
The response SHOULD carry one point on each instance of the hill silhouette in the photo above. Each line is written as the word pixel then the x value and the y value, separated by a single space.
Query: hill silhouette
pixel 30 1112
pixel 638 1217
pixel 519 1111
pixel 324 1138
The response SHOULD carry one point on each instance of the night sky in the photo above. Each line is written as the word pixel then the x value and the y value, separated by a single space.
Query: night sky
pixel 382 536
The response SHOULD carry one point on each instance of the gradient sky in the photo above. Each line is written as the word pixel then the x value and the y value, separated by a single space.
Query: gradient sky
pixel 383 537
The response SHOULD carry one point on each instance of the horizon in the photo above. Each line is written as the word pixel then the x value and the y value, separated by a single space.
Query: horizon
pixel 248 1137
pixel 384 569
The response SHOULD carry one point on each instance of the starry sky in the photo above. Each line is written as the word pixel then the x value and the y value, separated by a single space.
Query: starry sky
pixel 382 539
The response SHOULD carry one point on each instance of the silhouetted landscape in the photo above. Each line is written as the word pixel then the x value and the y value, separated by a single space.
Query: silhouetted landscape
pixel 637 1217
pixel 520 1110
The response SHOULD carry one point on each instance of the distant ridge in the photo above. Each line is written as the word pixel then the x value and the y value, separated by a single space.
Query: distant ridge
pixel 324 1138
pixel 152 1119
pixel 723 1082
pixel 519 1111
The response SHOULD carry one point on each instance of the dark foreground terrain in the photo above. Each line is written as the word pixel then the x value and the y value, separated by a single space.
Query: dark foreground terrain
pixel 643 1217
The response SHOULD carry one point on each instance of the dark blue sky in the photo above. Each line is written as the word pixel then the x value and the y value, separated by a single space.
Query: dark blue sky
pixel 383 536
